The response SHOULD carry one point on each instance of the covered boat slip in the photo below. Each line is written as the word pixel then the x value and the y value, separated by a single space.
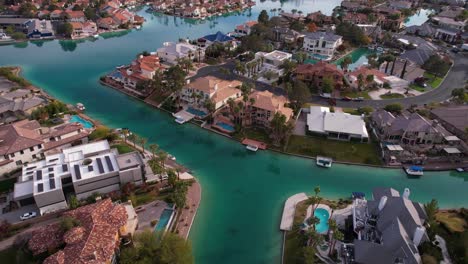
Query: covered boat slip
pixel 254 144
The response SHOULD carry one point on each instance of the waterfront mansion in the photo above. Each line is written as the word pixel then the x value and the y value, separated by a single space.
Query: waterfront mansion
pixel 197 92
pixel 322 43
pixel 82 171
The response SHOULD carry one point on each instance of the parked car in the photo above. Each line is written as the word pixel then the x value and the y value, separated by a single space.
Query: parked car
pixel 28 215
pixel 346 98
pixel 455 50
pixel 420 81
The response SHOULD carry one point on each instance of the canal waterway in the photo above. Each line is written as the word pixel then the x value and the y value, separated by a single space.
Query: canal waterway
pixel 243 193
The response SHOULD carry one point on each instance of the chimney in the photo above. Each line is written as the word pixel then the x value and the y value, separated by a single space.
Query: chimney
pixel 188 81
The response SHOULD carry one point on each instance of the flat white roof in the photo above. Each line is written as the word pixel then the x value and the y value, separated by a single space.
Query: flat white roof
pixel 452 151
pixel 23 189
pixel 452 138
pixel 315 118
pixel 78 152
pixel 394 147
pixel 277 55
pixel 321 120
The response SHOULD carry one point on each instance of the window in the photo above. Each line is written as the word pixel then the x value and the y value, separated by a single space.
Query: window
pixel 19 162
pixel 12 155
pixel 31 148
pixel 40 146
pixel 21 152
pixel 34 156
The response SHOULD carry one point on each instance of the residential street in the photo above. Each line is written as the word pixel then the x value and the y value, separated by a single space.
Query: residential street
pixel 456 78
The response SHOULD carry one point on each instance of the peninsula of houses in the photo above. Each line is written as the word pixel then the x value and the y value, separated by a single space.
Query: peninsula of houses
pixel 270 68
pixel 200 9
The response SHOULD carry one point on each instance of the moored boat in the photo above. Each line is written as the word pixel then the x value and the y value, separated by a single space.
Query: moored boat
pixel 252 148
pixel 80 106
pixel 324 162
pixel 414 171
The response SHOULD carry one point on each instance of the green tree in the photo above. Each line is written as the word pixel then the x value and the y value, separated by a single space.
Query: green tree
pixel 176 75
pixel 280 128
pixel 395 108
pixel 10 30
pixel 263 17
pixel 90 13
pixel 73 202
pixel 67 223
pixel 172 177
pixel 18 36
pixel 65 29
pixel 346 62
pixel 328 85
pixel 436 65
pixel 299 94
pixel 27 9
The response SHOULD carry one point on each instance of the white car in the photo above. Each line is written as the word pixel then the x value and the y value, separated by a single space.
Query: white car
pixel 28 215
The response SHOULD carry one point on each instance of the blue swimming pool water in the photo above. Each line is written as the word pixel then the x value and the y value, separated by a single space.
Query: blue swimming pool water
pixel 196 112
pixel 319 56
pixel 323 216
pixel 226 126
pixel 78 119
pixel 164 220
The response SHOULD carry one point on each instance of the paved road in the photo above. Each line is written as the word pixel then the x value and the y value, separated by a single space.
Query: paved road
pixel 456 78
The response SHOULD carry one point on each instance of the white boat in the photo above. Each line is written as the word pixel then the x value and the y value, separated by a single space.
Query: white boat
pixel 5 39
pixel 171 157
pixel 460 169
pixel 96 36
pixel 414 171
pixel 324 162
pixel 80 106
pixel 252 148
pixel 137 27
pixel 179 120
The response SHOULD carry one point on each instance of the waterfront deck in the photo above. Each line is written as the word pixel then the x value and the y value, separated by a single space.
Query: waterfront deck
pixel 256 143
pixel 289 209
pixel 183 116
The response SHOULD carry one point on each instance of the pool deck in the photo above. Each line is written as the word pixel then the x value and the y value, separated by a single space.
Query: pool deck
pixel 287 219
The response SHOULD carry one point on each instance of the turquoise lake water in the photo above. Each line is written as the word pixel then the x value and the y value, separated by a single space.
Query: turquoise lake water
pixel 242 192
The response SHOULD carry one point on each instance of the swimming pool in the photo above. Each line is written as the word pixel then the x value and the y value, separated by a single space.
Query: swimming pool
pixel 164 220
pixel 322 215
pixel 225 126
pixel 196 112
pixel 320 57
pixel 78 119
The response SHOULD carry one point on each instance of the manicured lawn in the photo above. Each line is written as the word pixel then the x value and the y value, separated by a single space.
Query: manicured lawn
pixel 8 184
pixel 392 96
pixel 256 134
pixel 452 221
pixel 339 150
pixel 355 94
pixel 123 148
pixel 419 88
pixel 433 80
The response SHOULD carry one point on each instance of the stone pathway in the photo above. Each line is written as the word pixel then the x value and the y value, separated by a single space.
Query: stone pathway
pixel 187 216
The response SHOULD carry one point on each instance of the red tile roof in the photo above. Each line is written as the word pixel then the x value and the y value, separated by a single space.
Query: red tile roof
pixel 94 241
pixel 18 136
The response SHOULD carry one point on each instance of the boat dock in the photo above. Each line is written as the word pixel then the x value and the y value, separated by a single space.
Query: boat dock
pixel 183 116
pixel 251 142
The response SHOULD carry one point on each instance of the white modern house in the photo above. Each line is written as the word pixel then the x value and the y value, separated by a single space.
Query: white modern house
pixel 272 61
pixel 322 45
pixel 82 171
pixel 171 52
pixel 339 126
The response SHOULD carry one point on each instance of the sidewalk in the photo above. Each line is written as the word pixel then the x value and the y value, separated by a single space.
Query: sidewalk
pixel 187 216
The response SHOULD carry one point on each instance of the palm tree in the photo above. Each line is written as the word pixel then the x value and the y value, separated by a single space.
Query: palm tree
pixel 337 235
pixel 331 226
pixel 153 149
pixel 125 132
pixel 162 157
pixel 133 138
pixel 346 62
pixel 313 238
pixel 143 141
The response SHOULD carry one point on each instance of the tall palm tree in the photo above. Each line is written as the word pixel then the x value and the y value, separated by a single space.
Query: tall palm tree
pixel 125 132
pixel 153 149
pixel 143 142
pixel 337 235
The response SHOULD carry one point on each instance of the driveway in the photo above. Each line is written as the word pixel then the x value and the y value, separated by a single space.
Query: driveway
pixel 14 217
